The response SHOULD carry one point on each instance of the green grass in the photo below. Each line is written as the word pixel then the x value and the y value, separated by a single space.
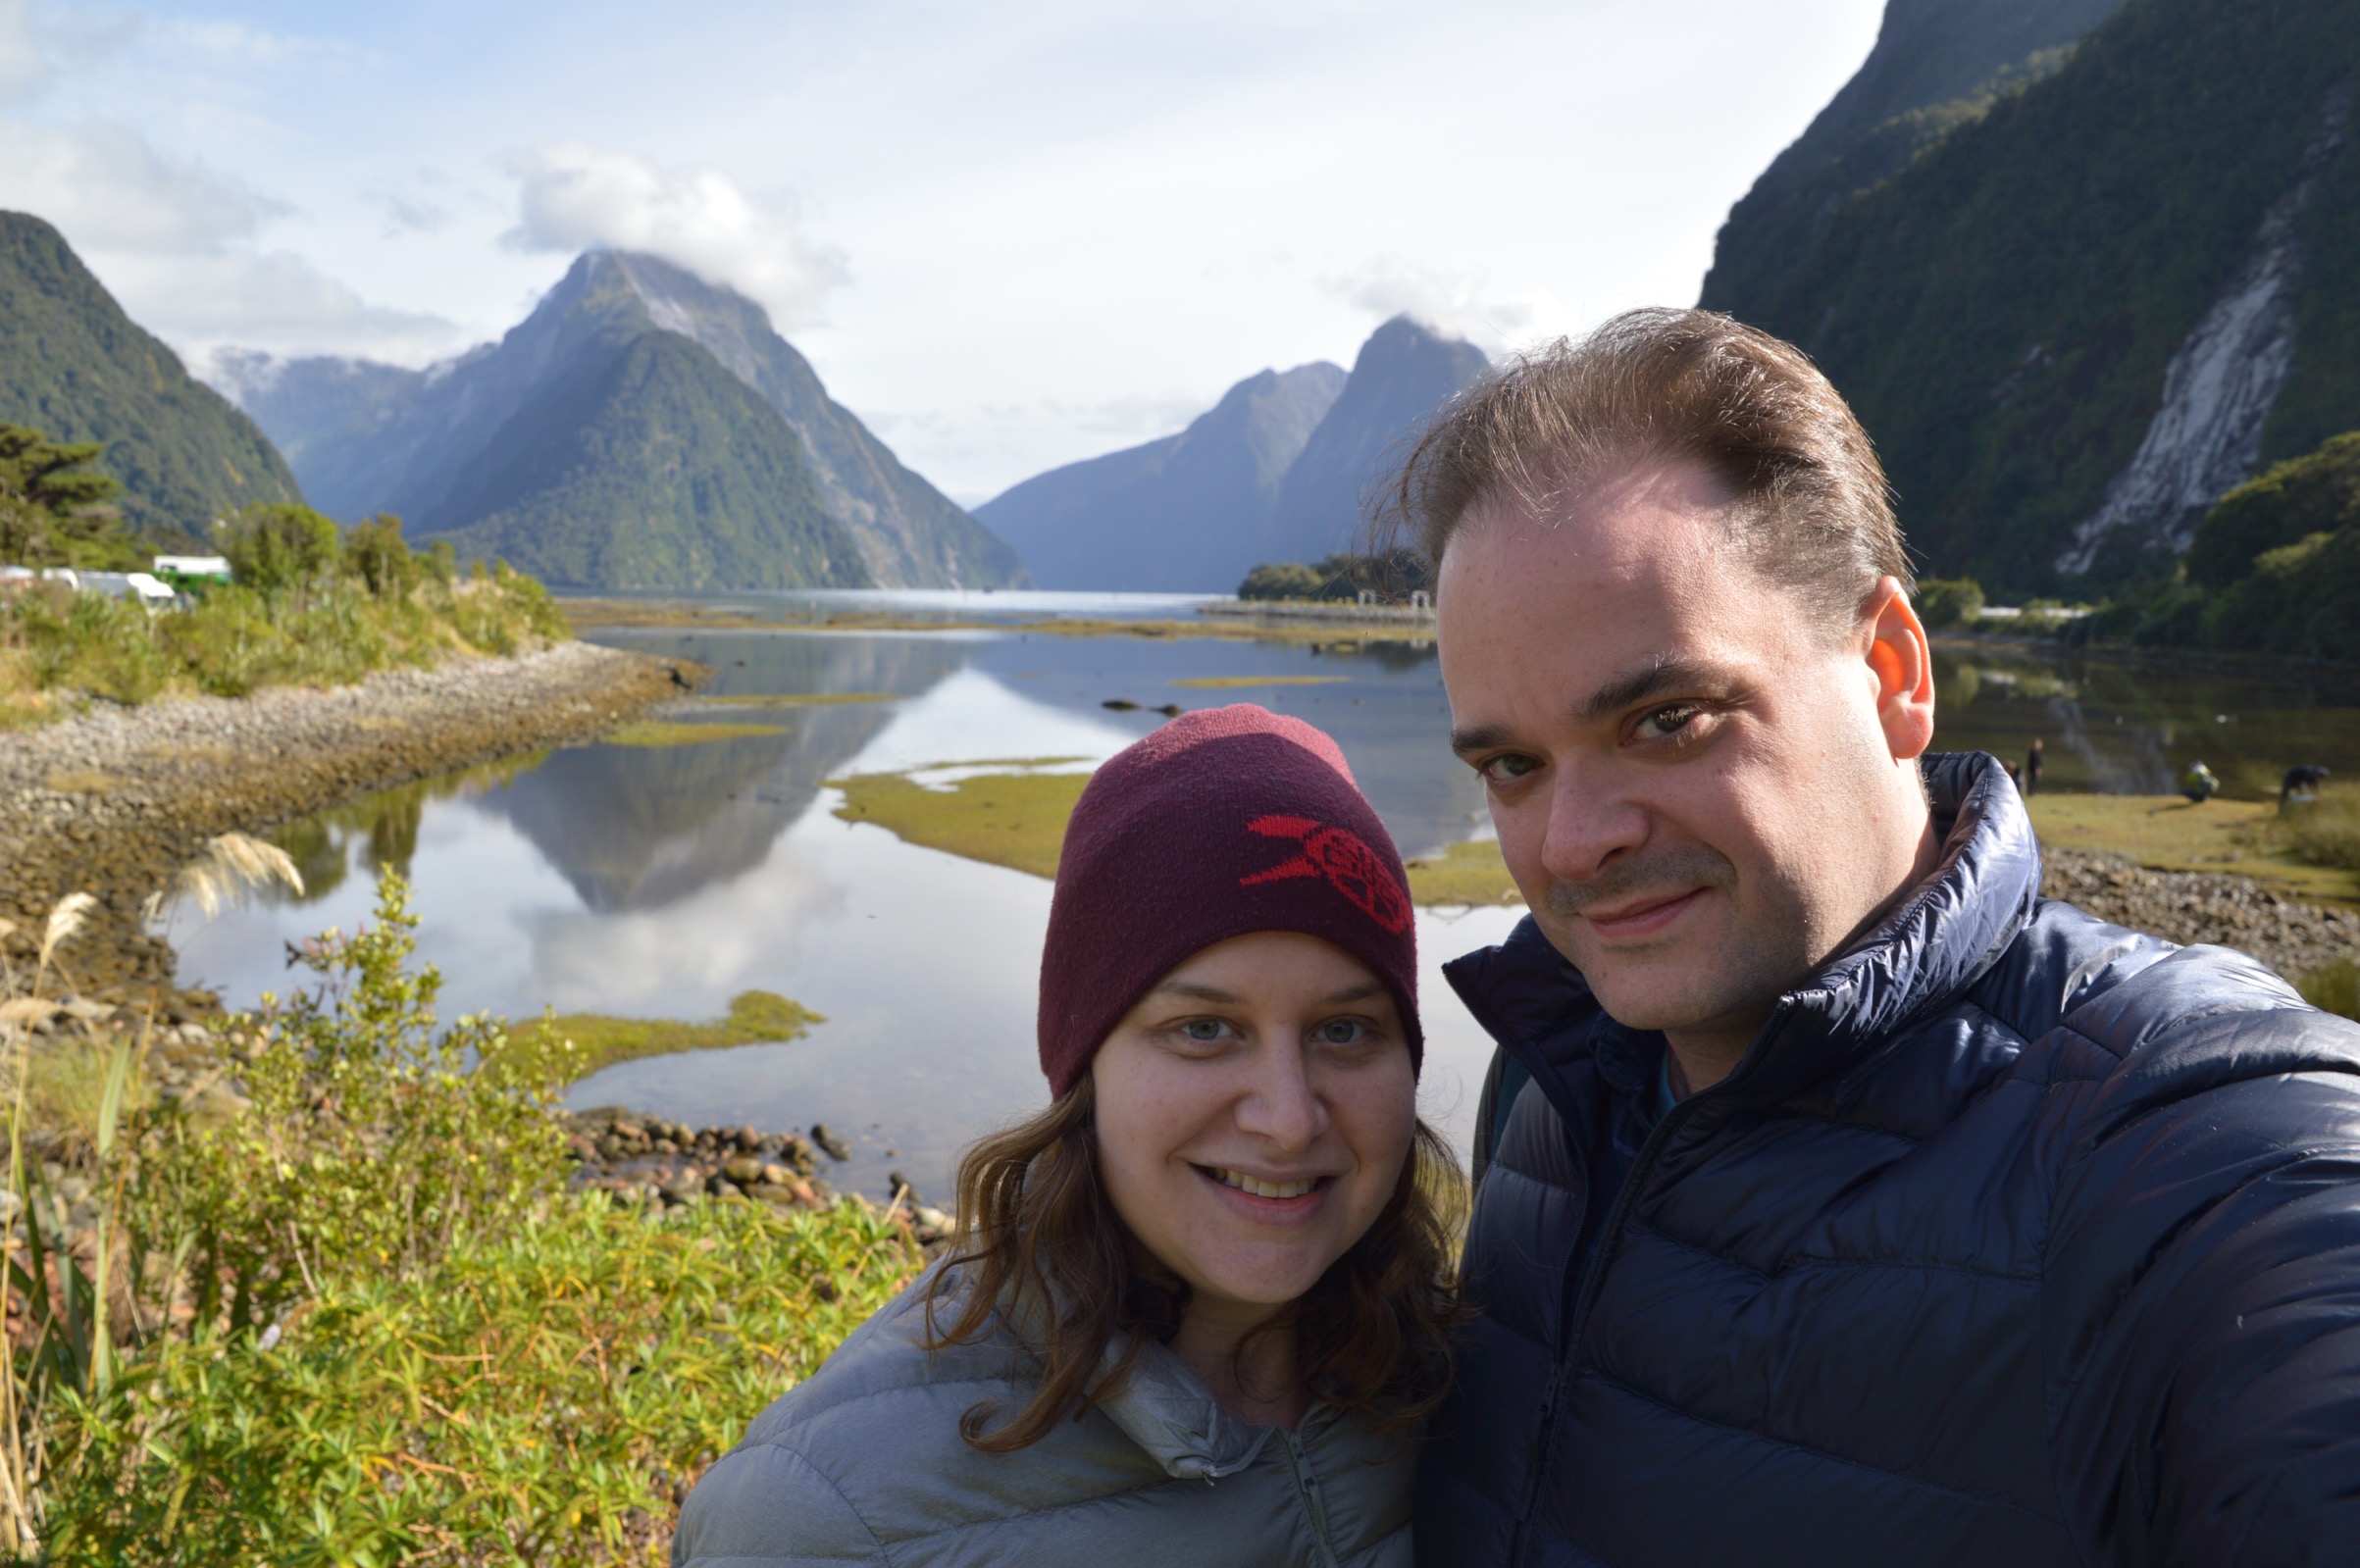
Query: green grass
pixel 660 733
pixel 2167 832
pixel 1227 681
pixel 1015 820
pixel 1469 873
pixel 2325 831
pixel 755 1017
pixel 2334 988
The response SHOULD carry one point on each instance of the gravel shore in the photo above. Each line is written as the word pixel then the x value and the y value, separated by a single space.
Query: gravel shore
pixel 2290 935
pixel 112 801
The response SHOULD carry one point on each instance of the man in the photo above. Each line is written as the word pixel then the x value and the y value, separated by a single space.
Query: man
pixel 2032 761
pixel 1842 1201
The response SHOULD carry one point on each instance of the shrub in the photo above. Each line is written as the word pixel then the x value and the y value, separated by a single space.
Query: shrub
pixel 363 1322
pixel 277 546
pixel 2325 831
pixel 1949 602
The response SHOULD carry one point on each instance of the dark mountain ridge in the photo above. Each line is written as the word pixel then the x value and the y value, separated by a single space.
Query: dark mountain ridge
pixel 1186 512
pixel 2089 309
pixel 75 366
pixel 1403 375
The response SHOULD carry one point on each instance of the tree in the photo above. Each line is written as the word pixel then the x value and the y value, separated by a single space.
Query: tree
pixel 55 508
pixel 277 547
pixel 375 553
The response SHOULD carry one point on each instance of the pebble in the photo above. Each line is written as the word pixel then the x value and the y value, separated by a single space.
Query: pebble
pixel 2291 935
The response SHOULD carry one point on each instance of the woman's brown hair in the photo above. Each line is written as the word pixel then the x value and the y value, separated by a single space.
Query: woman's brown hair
pixel 1036 1223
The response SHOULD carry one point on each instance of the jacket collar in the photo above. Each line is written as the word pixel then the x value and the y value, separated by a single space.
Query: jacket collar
pixel 1941 938
pixel 1159 1404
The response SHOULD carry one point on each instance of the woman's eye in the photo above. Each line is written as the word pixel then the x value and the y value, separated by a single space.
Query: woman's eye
pixel 1510 768
pixel 1342 1031
pixel 1204 1031
pixel 1664 722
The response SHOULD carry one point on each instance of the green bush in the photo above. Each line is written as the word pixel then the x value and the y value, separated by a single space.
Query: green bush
pixel 2315 493
pixel 1949 602
pixel 362 1321
pixel 277 546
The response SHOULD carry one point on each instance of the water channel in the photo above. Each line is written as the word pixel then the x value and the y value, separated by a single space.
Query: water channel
pixel 662 881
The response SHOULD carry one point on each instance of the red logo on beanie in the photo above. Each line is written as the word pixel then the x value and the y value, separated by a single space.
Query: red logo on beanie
pixel 1345 859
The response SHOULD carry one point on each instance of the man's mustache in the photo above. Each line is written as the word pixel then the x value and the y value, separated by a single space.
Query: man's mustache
pixel 1672 871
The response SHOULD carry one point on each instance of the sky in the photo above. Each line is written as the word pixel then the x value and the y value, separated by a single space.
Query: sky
pixel 1009 236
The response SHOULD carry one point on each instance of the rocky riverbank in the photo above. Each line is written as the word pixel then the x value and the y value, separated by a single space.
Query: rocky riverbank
pixel 2292 936
pixel 112 801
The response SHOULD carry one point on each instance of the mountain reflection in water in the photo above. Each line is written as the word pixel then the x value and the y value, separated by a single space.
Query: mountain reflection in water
pixel 660 880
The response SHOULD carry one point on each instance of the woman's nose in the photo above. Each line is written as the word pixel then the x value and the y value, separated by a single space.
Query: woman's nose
pixel 1281 1107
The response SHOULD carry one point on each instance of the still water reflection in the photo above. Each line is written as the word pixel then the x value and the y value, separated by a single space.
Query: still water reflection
pixel 662 880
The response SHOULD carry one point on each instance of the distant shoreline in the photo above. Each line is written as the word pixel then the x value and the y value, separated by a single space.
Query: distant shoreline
pixel 112 801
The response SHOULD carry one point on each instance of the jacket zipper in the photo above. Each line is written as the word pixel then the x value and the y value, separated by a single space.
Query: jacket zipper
pixel 1306 1488
pixel 1593 1281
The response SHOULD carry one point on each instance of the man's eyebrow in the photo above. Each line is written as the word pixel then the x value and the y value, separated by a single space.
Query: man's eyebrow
pixel 1653 678
pixel 1661 674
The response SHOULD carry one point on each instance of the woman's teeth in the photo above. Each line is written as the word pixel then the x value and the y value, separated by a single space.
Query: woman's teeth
pixel 1247 1183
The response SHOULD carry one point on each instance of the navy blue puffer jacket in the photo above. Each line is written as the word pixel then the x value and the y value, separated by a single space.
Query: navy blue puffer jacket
pixel 2018 1239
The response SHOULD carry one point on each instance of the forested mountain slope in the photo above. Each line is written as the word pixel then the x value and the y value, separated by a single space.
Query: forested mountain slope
pixel 2085 312
pixel 75 366
pixel 434 445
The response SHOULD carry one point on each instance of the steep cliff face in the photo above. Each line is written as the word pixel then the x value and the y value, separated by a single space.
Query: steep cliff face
pixel 2079 315
pixel 1937 63
pixel 421 443
pixel 76 368
pixel 1402 375
pixel 1187 512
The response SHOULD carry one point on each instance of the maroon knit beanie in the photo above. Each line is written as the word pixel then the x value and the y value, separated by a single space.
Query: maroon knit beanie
pixel 1224 821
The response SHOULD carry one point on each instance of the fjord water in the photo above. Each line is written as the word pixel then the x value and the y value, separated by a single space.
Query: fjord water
pixel 662 881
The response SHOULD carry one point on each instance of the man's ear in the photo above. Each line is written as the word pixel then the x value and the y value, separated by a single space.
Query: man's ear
pixel 1902 665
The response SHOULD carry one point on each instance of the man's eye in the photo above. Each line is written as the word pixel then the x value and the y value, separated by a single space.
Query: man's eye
pixel 1664 722
pixel 1510 768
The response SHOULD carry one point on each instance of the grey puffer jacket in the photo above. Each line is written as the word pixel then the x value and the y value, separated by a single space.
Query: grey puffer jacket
pixel 863 1463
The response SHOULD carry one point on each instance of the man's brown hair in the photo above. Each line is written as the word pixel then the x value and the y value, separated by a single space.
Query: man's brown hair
pixel 1672 386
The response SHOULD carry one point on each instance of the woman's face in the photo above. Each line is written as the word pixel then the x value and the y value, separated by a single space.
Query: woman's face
pixel 1253 1111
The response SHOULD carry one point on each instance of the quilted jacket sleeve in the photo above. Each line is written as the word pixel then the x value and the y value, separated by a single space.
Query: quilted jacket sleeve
pixel 764 1505
pixel 2201 1309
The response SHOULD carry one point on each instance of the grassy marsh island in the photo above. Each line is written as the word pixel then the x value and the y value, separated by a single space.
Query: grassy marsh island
pixel 598 1039
pixel 1013 814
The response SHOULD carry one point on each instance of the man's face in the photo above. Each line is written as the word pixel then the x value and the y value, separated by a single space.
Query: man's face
pixel 1702 787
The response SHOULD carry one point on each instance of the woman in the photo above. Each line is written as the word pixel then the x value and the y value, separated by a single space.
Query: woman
pixel 1198 1313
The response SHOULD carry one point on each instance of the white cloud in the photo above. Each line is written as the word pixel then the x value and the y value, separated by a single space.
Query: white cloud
pixel 23 69
pixel 107 189
pixel 273 300
pixel 573 198
pixel 1455 301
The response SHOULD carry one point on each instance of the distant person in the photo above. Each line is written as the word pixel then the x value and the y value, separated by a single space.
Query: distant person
pixel 1197 1310
pixel 2301 783
pixel 2200 783
pixel 2031 782
pixel 1842 1201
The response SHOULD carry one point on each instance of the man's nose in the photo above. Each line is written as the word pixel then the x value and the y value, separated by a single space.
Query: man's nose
pixel 1588 823
pixel 1282 1106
